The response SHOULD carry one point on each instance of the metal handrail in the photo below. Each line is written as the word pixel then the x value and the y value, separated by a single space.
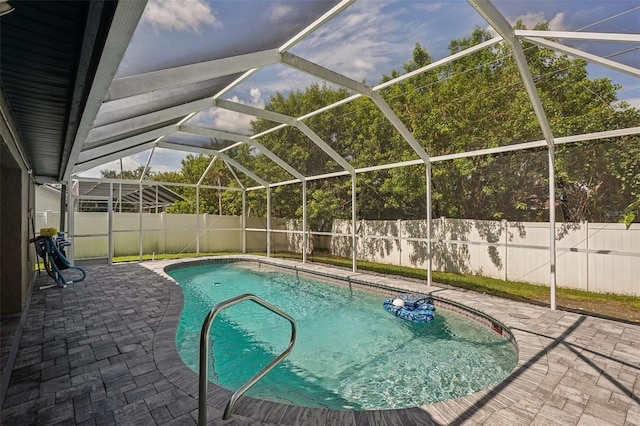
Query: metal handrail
pixel 204 351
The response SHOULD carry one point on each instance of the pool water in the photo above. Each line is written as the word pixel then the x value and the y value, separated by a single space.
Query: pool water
pixel 350 353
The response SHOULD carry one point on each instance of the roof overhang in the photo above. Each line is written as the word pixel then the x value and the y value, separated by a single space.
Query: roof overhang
pixel 57 61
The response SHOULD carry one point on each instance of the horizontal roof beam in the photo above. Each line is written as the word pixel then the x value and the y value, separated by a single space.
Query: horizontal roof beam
pixel 212 133
pixel 245 139
pixel 256 112
pixel 187 74
pixel 235 83
pixel 112 156
pixel 325 74
pixel 142 121
pixel 316 24
pixel 271 130
pixel 92 153
pixel 439 63
pixel 209 151
pixel 573 35
pixel 616 66
pixel 150 183
pixel 479 152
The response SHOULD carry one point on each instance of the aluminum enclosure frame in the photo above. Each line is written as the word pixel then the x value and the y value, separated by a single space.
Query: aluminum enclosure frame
pixel 149 131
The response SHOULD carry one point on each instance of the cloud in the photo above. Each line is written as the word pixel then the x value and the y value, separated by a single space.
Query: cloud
pixel 530 20
pixel 430 7
pixel 557 23
pixel 280 12
pixel 166 160
pixel 256 98
pixel 179 15
pixel 374 37
pixel 359 42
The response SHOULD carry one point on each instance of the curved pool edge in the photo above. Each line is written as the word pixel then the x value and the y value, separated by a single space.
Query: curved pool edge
pixel 515 389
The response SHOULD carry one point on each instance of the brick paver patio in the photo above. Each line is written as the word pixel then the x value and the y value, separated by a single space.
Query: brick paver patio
pixel 103 352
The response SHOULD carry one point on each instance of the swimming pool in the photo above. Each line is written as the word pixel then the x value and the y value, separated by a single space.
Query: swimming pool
pixel 350 353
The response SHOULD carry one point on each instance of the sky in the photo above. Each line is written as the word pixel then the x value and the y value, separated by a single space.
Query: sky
pixel 365 41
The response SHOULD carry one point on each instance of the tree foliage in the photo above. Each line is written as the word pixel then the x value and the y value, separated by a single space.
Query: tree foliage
pixel 127 174
pixel 476 102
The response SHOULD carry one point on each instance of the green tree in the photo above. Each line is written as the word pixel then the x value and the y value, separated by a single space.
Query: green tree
pixel 479 102
pixel 211 199
pixel 127 174
pixel 473 103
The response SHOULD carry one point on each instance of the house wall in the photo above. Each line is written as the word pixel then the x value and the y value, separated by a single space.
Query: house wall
pixel 47 199
pixel 17 200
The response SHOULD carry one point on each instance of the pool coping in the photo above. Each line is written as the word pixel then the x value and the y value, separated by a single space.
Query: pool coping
pixel 529 373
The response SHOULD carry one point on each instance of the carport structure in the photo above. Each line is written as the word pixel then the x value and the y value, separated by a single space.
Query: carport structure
pixel 120 112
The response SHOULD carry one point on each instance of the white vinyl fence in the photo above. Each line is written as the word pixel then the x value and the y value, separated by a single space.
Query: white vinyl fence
pixel 598 257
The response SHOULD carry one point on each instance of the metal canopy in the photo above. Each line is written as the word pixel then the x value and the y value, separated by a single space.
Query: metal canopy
pixel 174 95
pixel 127 193
pixel 72 105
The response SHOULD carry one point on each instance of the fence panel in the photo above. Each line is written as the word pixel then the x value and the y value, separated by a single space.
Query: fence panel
pixel 614 258
pixel 220 233
pixel 593 257
pixel 600 257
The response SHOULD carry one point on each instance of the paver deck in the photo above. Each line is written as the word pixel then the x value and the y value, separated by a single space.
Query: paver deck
pixel 103 352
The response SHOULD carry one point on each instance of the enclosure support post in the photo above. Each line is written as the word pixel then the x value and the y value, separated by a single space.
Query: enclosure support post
pixel 71 221
pixel 586 239
pixel 268 221
pixel 502 27
pixel 197 220
pixel 120 188
pixel 244 220
pixel 139 218
pixel 552 226
pixel 63 204
pixel 429 247
pixel 110 225
pixel 505 268
pixel 354 245
pixel 305 241
pixel 399 222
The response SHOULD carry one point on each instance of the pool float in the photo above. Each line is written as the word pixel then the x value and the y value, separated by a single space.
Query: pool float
pixel 416 308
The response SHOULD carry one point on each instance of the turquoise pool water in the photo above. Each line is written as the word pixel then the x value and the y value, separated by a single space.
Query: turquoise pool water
pixel 350 352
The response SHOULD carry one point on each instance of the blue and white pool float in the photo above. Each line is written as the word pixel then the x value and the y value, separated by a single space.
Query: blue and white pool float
pixel 416 308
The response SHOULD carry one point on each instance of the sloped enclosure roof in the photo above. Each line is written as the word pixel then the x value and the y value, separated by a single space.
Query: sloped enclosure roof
pixel 83 88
